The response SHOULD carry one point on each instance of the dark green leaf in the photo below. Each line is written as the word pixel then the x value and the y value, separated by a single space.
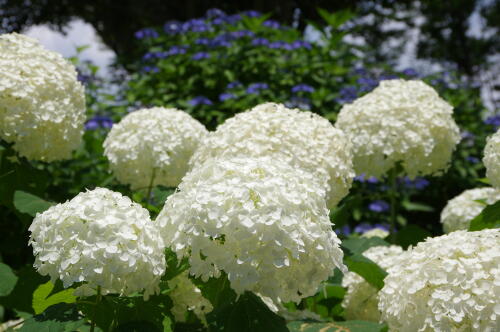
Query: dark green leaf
pixel 351 326
pixel 247 314
pixel 488 218
pixel 20 299
pixel 358 245
pixel 411 235
pixel 8 280
pixel 29 204
pixel 61 317
pixel 367 269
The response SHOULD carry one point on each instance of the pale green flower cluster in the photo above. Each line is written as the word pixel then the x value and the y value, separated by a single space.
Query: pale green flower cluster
pixel 361 300
pixel 491 159
pixel 153 146
pixel 302 139
pixel 261 221
pixel 42 104
pixel 187 297
pixel 102 238
pixel 400 121
pixel 447 283
pixel 459 211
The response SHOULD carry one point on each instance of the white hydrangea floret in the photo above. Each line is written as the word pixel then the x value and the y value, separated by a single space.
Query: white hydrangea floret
pixel 361 300
pixel 400 121
pixel 261 221
pixel 459 211
pixel 42 104
pixel 187 297
pixel 153 143
pixel 101 238
pixel 446 283
pixel 491 159
pixel 303 139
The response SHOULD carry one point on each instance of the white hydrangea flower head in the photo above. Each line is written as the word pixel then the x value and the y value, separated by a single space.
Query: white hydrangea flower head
pixel 376 232
pixel 491 159
pixel 159 140
pixel 400 121
pixel 303 139
pixel 102 238
pixel 187 297
pixel 259 220
pixel 361 300
pixel 459 211
pixel 42 104
pixel 446 283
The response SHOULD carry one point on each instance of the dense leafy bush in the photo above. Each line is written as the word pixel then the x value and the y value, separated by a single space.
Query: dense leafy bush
pixel 214 67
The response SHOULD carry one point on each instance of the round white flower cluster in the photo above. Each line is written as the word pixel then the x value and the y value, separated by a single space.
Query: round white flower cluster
pixel 187 297
pixel 259 220
pixel 447 283
pixel 303 139
pixel 491 159
pixel 102 238
pixel 459 211
pixel 153 143
pixel 400 121
pixel 361 300
pixel 42 104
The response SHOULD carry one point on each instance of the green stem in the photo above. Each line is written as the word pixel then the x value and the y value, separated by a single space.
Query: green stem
pixel 97 300
pixel 393 189
pixel 150 187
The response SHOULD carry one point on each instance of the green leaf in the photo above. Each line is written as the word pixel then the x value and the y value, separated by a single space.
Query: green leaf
pixel 42 298
pixel 20 299
pixel 488 218
pixel 411 235
pixel 61 317
pixel 340 215
pixel 8 280
pixel 367 269
pixel 358 245
pixel 29 204
pixel 351 326
pixel 247 314
pixel 412 206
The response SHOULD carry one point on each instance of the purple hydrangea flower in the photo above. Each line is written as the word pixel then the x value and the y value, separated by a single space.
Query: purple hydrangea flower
pixel 146 33
pixel 299 102
pixel 99 121
pixel 472 159
pixel 241 33
pixel 302 87
pixel 419 183
pixel 300 44
pixel 467 135
pixel 150 69
pixel 200 55
pixel 252 13
pixel 202 41
pixel 255 88
pixel 410 72
pixel 226 95
pixel 378 206
pixel 367 84
pixel 271 24
pixel 233 85
pixel 232 19
pixel 347 94
pixel 195 25
pixel 173 27
pixel 344 230
pixel 277 45
pixel 260 42
pixel 214 12
pixel 493 120
pixel 200 100
pixel 384 77
pixel 177 50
